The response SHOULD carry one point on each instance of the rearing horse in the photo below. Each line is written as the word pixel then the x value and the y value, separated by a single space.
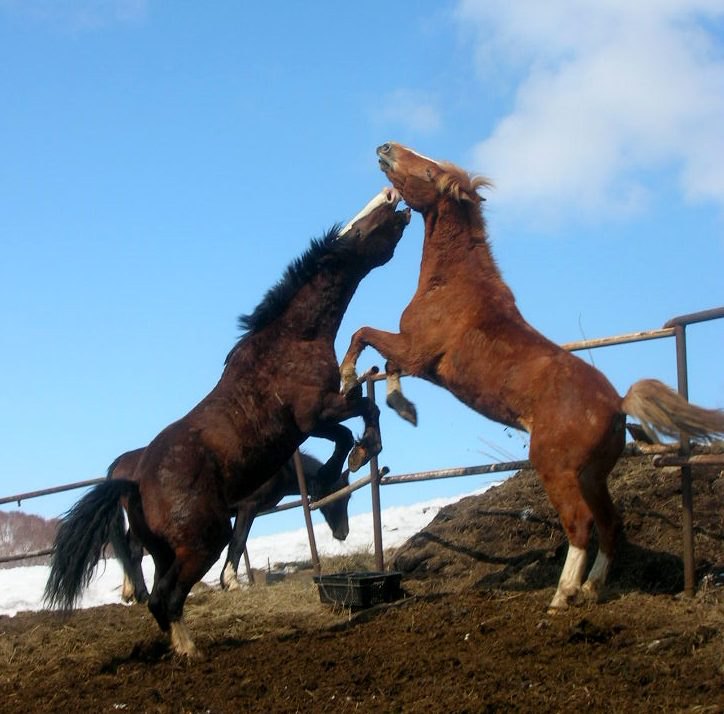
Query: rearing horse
pixel 463 331
pixel 279 386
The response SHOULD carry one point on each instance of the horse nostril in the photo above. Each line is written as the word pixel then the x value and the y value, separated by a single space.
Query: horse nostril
pixel 384 149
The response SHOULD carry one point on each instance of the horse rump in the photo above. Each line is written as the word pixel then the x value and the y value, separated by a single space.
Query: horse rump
pixel 83 533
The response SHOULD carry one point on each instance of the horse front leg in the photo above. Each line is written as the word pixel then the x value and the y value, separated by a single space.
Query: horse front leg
pixel 396 349
pixel 339 408
pixel 331 471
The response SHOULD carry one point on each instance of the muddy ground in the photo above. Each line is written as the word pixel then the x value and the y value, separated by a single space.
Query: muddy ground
pixel 472 635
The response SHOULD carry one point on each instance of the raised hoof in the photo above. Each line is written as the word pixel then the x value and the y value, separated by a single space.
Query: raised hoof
pixel 349 383
pixel 361 453
pixel 403 406
pixel 357 458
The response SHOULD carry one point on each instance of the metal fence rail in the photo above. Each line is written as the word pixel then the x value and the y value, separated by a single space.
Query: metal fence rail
pixel 676 328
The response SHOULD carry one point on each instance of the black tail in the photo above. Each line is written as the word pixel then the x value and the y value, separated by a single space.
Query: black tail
pixel 79 542
pixel 118 539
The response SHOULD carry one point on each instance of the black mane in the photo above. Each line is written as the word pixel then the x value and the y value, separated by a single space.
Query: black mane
pixel 297 274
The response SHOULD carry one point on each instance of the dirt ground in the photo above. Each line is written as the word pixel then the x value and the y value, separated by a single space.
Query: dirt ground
pixel 471 636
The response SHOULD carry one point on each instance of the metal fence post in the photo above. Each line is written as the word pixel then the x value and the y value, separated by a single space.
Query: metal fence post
pixel 687 498
pixel 375 494
pixel 307 513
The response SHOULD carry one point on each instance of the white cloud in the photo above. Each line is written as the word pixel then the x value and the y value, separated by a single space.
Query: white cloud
pixel 607 93
pixel 411 110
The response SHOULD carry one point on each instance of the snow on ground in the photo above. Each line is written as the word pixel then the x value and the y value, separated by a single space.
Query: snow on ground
pixel 21 588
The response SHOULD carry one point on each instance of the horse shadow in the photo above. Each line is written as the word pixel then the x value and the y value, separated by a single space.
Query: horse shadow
pixel 637 568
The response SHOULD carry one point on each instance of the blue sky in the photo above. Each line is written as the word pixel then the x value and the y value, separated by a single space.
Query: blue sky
pixel 162 163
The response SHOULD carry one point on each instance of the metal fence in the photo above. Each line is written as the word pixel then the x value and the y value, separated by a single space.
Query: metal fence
pixel 676 328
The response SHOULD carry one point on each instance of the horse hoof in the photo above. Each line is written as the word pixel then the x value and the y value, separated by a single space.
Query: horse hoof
pixel 228 578
pixel 181 642
pixel 232 584
pixel 403 406
pixel 553 611
pixel 590 592
pixel 357 458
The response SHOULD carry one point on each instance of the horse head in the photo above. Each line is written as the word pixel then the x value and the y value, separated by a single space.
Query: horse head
pixel 335 513
pixel 421 180
pixel 373 234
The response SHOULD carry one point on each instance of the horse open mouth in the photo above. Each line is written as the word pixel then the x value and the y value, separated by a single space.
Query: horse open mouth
pixel 385 164
pixel 385 160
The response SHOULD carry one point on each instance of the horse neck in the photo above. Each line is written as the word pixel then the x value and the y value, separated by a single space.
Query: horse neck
pixel 318 308
pixel 456 239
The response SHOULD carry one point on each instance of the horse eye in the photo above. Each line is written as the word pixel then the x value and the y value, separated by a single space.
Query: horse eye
pixel 429 173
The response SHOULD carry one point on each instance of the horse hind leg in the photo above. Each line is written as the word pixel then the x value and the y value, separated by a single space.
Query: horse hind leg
pixel 576 518
pixel 608 524
pixel 172 588
pixel 166 604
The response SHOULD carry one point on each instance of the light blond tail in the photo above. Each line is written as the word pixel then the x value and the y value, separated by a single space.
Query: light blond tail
pixel 661 410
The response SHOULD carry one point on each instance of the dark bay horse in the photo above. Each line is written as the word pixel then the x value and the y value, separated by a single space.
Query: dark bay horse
pixel 463 331
pixel 130 550
pixel 279 386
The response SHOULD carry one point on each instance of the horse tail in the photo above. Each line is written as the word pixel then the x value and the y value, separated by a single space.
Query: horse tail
pixel 662 410
pixel 82 534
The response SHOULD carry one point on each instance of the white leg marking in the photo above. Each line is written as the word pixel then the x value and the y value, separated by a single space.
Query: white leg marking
pixel 570 580
pixel 127 594
pixel 348 379
pixel 597 576
pixel 229 578
pixel 393 384
pixel 181 640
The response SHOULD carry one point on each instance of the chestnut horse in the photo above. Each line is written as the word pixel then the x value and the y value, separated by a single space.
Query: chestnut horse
pixel 130 550
pixel 279 386
pixel 491 359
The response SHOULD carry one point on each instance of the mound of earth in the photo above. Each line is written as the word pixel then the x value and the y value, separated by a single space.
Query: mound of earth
pixel 510 538
pixel 472 635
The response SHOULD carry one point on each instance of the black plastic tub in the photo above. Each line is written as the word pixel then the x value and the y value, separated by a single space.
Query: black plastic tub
pixel 359 590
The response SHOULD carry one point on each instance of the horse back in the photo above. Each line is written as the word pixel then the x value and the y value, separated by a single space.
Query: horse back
pixel 516 376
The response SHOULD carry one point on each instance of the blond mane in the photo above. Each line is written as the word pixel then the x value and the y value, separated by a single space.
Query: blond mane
pixel 460 184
